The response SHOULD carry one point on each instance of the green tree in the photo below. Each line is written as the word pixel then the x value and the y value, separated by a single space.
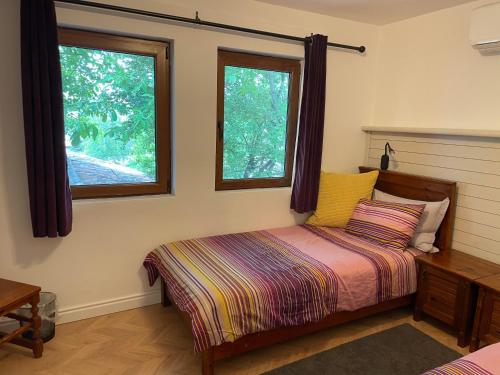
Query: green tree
pixel 109 105
pixel 255 123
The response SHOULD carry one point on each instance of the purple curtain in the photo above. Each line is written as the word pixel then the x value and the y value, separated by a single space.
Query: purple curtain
pixel 312 118
pixel 49 192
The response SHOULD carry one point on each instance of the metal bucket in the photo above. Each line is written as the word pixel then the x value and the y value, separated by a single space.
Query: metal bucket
pixel 47 311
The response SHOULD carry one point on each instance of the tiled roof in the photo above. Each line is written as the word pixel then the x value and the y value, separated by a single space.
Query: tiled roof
pixel 86 170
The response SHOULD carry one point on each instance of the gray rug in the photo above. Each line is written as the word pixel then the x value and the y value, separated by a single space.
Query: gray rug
pixel 402 350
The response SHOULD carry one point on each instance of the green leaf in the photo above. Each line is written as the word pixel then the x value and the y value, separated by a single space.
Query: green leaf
pixel 76 140
pixel 95 132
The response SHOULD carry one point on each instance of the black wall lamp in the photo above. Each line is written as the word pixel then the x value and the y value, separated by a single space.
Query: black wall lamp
pixel 384 160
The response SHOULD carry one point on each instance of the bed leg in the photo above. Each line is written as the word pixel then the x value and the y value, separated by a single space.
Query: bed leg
pixel 207 365
pixel 164 297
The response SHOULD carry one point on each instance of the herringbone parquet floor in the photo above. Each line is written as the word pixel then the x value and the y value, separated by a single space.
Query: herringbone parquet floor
pixel 153 340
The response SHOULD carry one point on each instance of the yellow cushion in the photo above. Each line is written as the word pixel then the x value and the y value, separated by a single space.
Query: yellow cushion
pixel 338 196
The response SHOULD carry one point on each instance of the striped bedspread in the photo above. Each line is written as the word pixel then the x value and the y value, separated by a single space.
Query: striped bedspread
pixel 483 362
pixel 459 367
pixel 237 284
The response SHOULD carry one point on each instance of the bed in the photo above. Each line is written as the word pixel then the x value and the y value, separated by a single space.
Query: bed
pixel 243 291
pixel 483 362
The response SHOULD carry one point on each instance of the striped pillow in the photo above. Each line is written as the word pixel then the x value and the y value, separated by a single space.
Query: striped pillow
pixel 390 224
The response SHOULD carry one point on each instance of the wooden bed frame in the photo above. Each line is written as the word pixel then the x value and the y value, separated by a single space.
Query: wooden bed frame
pixel 396 183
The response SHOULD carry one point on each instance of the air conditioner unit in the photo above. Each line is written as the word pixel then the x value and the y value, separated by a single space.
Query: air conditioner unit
pixel 485 29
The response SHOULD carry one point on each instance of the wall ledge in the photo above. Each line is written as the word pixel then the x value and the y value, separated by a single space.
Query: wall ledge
pixel 481 133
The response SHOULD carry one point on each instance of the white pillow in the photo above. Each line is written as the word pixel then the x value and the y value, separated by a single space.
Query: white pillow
pixel 431 219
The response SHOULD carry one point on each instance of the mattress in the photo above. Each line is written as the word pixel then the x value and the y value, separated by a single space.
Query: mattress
pixel 483 362
pixel 236 284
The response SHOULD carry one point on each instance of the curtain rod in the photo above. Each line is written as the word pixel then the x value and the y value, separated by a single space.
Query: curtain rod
pixel 198 21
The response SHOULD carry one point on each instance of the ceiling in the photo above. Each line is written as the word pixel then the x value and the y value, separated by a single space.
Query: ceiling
pixel 378 12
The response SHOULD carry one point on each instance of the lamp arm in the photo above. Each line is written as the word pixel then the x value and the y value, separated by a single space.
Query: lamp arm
pixel 388 146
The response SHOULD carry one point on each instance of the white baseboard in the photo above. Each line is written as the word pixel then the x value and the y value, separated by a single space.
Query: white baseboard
pixel 79 312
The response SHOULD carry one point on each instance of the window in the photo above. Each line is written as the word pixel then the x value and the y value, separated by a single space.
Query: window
pixel 116 114
pixel 257 105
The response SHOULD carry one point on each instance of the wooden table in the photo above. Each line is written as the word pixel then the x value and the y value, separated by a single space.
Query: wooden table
pixel 12 296
pixel 446 289
pixel 487 319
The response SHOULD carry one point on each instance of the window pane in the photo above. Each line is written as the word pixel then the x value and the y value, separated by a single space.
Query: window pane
pixel 255 123
pixel 109 116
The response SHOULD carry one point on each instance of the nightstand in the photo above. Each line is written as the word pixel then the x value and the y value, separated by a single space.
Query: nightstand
pixel 487 318
pixel 446 289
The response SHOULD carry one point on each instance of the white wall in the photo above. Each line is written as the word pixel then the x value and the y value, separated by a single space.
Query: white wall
pixel 429 76
pixel 98 267
pixel 473 163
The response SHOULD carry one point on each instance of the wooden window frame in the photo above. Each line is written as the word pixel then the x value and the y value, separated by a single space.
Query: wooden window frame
pixel 248 60
pixel 158 50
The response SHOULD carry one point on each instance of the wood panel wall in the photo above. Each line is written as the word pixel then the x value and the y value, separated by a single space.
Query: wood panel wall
pixel 471 161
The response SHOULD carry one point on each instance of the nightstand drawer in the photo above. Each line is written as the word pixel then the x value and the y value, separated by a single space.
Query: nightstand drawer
pixel 445 281
pixel 440 295
pixel 440 304
pixel 441 281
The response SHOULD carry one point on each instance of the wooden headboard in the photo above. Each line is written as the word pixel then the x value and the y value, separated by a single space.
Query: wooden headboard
pixel 425 189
